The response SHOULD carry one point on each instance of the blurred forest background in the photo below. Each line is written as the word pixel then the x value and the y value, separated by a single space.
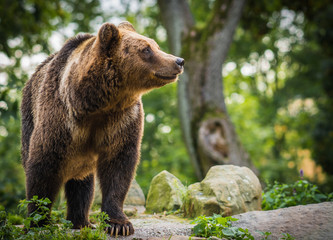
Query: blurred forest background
pixel 277 83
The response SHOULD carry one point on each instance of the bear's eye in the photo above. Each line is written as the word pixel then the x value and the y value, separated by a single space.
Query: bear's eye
pixel 147 50
pixel 147 54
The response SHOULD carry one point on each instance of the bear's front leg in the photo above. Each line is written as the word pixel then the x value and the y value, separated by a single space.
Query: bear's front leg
pixel 115 177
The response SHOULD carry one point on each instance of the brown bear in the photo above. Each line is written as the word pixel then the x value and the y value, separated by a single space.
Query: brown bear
pixel 82 116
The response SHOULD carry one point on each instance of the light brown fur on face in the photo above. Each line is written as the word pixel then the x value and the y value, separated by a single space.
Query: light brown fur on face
pixel 82 118
pixel 145 62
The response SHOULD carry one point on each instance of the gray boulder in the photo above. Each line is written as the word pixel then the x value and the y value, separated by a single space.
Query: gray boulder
pixel 166 193
pixel 226 190
pixel 308 222
pixel 135 195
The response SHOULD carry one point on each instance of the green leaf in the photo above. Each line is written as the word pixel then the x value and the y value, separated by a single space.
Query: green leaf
pixel 26 223
pixel 232 219
pixel 321 196
pixel 229 232
pixel 46 201
pixel 222 221
pixel 199 229
pixel 37 217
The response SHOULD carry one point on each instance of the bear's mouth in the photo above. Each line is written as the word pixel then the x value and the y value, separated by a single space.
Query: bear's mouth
pixel 166 77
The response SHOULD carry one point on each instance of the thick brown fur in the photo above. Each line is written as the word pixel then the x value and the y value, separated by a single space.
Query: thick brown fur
pixel 82 117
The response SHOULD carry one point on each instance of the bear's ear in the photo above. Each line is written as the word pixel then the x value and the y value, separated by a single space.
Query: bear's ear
pixel 126 25
pixel 107 34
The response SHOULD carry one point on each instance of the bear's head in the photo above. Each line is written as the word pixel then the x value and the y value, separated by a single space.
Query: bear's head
pixel 140 63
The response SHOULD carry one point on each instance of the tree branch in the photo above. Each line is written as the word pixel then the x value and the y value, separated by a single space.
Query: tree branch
pixel 177 19
pixel 223 38
pixel 219 43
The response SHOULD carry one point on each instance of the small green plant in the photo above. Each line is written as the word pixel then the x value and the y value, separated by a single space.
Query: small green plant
pixel 265 235
pixel 287 236
pixel 218 226
pixel 286 195
pixel 41 213
pixel 56 228
pixel 221 227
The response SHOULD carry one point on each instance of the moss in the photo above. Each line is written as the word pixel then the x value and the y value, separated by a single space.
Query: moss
pixel 165 193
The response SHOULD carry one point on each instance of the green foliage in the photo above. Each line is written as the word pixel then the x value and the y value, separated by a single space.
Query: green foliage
pixel 15 219
pixel 282 103
pixel 300 192
pixel 40 214
pixel 57 228
pixel 32 22
pixel 220 227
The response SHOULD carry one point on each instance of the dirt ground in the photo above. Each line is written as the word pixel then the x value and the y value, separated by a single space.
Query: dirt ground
pixel 158 226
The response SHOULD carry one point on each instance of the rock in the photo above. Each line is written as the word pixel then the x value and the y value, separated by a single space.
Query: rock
pixel 134 197
pixel 226 190
pixel 166 193
pixel 308 222
pixel 130 211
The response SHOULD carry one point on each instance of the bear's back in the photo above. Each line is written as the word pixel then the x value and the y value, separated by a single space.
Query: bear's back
pixel 49 71
pixel 55 63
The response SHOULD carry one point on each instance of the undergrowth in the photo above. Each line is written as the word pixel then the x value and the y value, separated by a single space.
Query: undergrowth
pixel 57 227
pixel 300 192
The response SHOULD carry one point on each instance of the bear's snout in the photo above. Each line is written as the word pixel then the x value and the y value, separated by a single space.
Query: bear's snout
pixel 180 62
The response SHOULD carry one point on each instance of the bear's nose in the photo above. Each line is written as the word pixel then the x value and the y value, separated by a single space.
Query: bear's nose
pixel 180 62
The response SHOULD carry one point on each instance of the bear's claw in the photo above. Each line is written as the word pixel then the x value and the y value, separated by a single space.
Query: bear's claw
pixel 116 229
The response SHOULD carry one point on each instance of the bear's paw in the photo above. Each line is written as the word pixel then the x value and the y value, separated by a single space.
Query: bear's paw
pixel 119 228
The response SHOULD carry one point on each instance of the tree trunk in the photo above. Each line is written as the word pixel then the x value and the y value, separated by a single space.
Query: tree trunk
pixel 209 134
